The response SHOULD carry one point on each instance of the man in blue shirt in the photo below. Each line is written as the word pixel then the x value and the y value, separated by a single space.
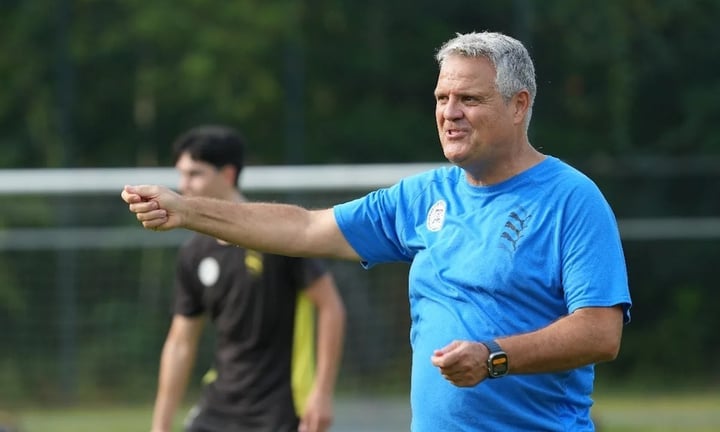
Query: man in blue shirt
pixel 518 284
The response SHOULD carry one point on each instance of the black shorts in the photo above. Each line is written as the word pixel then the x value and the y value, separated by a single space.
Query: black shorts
pixel 205 420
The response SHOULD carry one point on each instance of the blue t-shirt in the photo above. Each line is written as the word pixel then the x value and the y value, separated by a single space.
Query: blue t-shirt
pixel 489 262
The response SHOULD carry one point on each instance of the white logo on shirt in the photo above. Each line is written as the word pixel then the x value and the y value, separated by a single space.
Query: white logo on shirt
pixel 209 271
pixel 436 216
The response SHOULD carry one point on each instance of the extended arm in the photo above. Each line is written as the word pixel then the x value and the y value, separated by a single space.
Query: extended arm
pixel 588 335
pixel 275 228
pixel 176 362
pixel 324 295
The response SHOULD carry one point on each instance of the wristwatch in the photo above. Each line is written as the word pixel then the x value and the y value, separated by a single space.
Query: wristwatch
pixel 497 362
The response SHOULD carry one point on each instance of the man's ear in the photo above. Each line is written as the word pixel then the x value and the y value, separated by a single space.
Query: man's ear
pixel 521 104
pixel 228 173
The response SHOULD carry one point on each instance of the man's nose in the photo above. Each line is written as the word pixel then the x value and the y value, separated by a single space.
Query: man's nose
pixel 452 110
pixel 182 185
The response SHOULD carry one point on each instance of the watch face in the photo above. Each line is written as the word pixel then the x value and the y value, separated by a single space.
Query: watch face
pixel 498 364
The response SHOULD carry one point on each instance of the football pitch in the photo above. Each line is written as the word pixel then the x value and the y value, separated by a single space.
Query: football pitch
pixel 617 413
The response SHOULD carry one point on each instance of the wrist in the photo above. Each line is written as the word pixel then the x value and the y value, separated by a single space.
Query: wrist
pixel 497 362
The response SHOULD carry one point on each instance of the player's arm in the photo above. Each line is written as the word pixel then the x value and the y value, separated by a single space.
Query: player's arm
pixel 586 336
pixel 276 228
pixel 176 362
pixel 324 294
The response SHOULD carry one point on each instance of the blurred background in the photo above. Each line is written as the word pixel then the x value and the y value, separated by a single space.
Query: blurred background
pixel 628 92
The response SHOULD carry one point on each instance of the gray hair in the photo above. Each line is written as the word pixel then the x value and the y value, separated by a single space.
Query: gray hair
pixel 514 70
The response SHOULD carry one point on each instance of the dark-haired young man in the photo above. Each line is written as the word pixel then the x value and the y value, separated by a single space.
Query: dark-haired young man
pixel 263 378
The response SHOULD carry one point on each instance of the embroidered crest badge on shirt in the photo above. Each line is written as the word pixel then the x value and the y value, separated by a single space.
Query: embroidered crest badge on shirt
pixel 436 216
pixel 209 271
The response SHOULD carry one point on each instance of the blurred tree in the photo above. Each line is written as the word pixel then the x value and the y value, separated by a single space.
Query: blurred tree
pixel 179 64
pixel 144 71
pixel 351 82
pixel 632 77
pixel 27 118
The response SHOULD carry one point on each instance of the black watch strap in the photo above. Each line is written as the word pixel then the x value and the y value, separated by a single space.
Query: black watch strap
pixel 497 362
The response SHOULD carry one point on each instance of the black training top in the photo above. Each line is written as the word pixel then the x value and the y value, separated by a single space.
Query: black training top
pixel 250 297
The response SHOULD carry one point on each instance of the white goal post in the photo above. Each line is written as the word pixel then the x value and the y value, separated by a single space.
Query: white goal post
pixel 285 178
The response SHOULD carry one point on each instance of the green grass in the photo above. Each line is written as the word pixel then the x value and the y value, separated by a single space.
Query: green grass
pixel 614 412
pixel 113 419
pixel 658 413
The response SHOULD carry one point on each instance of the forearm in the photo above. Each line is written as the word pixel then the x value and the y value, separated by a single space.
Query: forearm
pixel 331 331
pixel 175 366
pixel 282 229
pixel 587 336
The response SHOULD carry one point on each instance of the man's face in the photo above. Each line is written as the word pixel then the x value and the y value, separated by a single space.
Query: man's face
pixel 199 178
pixel 474 123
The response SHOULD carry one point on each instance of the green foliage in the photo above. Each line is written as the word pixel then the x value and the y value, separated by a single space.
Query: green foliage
pixel 623 77
pixel 97 83
pixel 672 339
